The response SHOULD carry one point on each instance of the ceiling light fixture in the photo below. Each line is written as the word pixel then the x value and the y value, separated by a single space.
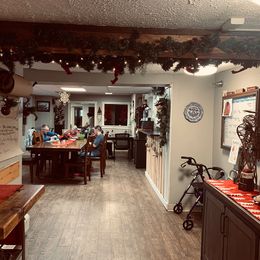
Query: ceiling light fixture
pixel 108 93
pixel 71 89
pixel 203 71
pixel 256 2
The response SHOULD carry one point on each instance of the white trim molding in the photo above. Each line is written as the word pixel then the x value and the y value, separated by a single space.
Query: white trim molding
pixel 168 207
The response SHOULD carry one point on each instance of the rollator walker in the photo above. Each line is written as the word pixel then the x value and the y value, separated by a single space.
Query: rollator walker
pixel 200 173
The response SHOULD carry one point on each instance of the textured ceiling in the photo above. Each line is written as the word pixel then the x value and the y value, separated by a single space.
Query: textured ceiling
pixel 196 14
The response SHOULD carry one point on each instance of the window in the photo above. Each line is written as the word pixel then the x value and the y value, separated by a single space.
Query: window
pixel 81 112
pixel 116 114
pixel 78 111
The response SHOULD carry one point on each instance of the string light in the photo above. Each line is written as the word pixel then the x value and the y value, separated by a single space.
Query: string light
pixel 93 62
pixel 139 61
pixel 81 58
pixel 52 61
pixel 60 61
pixel 125 62
pixel 100 62
pixel 67 63
pixel 77 66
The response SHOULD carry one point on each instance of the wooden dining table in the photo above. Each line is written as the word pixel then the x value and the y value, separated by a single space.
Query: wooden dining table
pixel 15 202
pixel 58 152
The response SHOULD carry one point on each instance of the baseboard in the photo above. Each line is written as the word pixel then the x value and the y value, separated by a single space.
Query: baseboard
pixel 168 206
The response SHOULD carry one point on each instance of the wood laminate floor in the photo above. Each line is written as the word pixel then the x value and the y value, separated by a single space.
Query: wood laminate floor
pixel 117 217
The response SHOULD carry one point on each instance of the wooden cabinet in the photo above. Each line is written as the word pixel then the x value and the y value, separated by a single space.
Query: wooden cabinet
pixel 212 229
pixel 139 153
pixel 229 232
pixel 239 239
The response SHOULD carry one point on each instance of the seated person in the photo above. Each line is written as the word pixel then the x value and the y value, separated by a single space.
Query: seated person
pixel 71 133
pixel 98 133
pixel 47 134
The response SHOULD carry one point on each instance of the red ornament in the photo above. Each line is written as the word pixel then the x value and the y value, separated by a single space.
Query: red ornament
pixel 117 70
pixel 66 68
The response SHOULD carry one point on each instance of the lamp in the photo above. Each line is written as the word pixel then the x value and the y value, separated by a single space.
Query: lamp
pixel 99 115
pixel 64 97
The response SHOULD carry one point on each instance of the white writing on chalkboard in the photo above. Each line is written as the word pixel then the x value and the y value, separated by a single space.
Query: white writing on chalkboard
pixel 239 105
pixel 9 138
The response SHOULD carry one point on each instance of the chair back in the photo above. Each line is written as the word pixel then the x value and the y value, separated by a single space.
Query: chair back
pixel 122 141
pixel 37 138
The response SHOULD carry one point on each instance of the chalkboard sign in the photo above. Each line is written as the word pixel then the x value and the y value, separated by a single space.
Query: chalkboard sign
pixel 9 138
pixel 233 111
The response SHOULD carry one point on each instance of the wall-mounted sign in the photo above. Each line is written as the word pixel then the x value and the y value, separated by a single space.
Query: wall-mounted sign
pixel 193 112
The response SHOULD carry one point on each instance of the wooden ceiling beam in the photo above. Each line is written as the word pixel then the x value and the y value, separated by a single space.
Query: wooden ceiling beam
pixel 75 40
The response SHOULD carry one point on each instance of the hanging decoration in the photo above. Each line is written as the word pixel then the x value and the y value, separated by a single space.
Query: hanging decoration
pixel 59 115
pixel 64 97
pixel 84 51
pixel 117 70
pixel 7 104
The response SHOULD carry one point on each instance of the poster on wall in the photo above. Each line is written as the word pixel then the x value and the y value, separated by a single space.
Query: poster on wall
pixel 9 138
pixel 234 152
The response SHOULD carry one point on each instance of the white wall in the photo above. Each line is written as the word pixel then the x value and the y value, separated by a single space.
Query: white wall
pixel 231 82
pixel 189 139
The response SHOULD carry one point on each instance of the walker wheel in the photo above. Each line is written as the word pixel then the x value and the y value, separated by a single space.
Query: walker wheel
pixel 187 224
pixel 178 209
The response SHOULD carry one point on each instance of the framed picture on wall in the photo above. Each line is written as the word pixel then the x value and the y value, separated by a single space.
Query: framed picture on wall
pixel 43 106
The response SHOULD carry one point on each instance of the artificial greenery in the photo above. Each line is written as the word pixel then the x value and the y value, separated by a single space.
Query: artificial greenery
pixel 84 51
pixel 163 119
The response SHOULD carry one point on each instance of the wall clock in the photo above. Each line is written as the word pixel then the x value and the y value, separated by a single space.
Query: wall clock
pixel 193 112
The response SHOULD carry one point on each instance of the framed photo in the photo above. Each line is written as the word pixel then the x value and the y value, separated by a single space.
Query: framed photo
pixel 43 106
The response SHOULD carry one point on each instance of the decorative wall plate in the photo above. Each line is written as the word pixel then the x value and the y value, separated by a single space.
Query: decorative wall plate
pixel 193 112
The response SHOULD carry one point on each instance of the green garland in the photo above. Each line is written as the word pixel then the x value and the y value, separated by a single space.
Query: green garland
pixel 163 119
pixel 29 51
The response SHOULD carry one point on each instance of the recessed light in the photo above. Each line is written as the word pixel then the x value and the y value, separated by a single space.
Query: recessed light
pixel 108 93
pixel 71 89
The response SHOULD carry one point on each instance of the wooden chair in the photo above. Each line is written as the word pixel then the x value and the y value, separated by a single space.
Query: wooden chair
pixel 30 160
pixel 80 161
pixel 42 157
pixel 122 142
pixel 101 158
pixel 37 137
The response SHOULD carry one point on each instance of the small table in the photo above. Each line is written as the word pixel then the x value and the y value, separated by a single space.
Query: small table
pixel 130 138
pixel 12 212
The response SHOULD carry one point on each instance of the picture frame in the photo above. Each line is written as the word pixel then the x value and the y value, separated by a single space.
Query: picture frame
pixel 43 106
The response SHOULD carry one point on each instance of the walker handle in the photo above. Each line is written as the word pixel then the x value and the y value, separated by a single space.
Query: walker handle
pixel 190 160
pixel 220 170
